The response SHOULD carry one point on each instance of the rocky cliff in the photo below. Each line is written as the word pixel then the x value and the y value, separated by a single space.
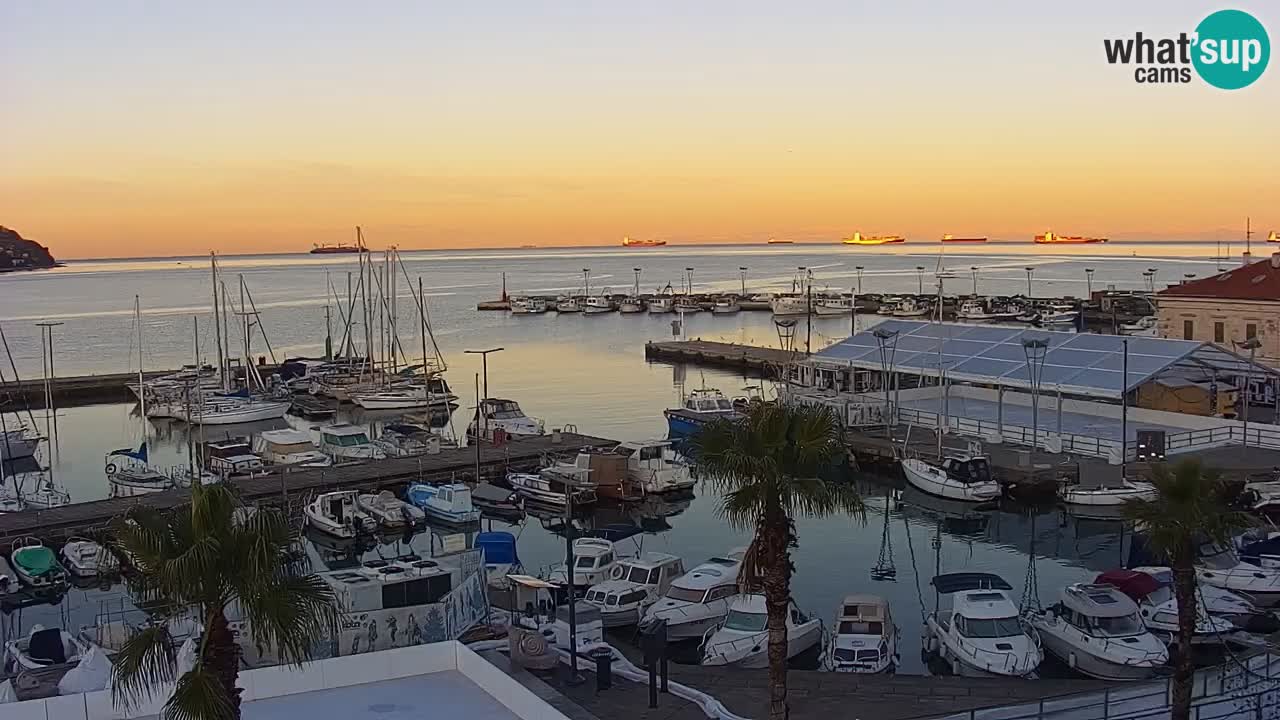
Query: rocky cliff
pixel 19 253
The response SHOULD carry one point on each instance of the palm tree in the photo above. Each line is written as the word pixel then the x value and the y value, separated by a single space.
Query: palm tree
pixel 765 470
pixel 1190 509
pixel 194 562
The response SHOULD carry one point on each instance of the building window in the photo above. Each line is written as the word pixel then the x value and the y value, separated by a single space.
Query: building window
pixel 1250 331
pixel 1219 332
pixel 1188 329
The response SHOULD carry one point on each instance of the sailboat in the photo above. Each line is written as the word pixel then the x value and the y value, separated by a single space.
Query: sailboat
pixel 129 471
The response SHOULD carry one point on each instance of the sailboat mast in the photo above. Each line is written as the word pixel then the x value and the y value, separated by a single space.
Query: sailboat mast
pixel 422 331
pixel 142 390
pixel 217 324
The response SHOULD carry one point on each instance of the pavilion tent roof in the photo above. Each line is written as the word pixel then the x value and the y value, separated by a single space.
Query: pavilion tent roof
pixel 1085 364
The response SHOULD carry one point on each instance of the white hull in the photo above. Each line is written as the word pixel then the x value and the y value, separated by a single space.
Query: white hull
pixel 966 664
pixel 752 650
pixel 15 445
pixel 660 306
pixel 935 481
pixel 784 306
pixel 393 402
pixel 1099 497
pixel 626 307
pixel 250 412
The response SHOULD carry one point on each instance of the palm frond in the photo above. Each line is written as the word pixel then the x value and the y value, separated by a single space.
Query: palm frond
pixel 1189 510
pixel 200 695
pixel 290 613
pixel 146 662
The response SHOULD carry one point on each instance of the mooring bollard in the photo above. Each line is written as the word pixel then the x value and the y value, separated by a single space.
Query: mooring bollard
pixel 604 668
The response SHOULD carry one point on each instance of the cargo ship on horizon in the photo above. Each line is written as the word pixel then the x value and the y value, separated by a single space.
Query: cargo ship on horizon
pixel 953 238
pixel 632 242
pixel 337 249
pixel 1274 237
pixel 858 239
pixel 1048 238
pixel 776 241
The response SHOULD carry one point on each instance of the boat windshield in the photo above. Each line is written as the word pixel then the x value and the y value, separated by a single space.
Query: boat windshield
pixel 1160 595
pixel 1122 626
pixel 347 440
pixel 745 621
pixel 852 627
pixel 990 627
pixel 292 448
pixel 686 594
pixel 585 562
pixel 643 576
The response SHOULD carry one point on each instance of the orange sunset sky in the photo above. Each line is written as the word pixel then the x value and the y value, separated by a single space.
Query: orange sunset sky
pixel 139 129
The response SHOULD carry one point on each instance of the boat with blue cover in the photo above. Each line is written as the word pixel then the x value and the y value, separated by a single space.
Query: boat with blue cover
pixel 449 503
pixel 701 407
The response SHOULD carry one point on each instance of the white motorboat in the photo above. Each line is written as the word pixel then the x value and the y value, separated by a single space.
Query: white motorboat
pixel 1257 579
pixel 1098 495
pixel 1146 326
pixel 528 306
pixel 1095 630
pixel 656 467
pixel 630 305
pixel 1059 315
pixel 18 443
pixel 597 304
pixel 550 486
pixel 701 406
pixel 129 473
pixel 447 503
pixel 699 599
pixel 85 558
pixel 865 639
pixel 784 305
pixel 1214 601
pixel 1152 589
pixel 36 565
pixel 828 306
pixel 742 639
pixel 633 586
pixel 289 447
pixel 687 304
pixel 980 635
pixel 967 479
pixel 406 440
pixel 388 510
pixel 42 648
pixel 568 304
pixel 725 305
pixel 660 304
pixel 593 563
pixel 229 410
pixel 337 514
pixel 345 441
pixel 975 310
pixel 911 307
pixel 505 415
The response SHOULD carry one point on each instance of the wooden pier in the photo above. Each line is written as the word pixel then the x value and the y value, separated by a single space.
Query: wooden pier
pixel 767 361
pixel 57 524
pixel 76 390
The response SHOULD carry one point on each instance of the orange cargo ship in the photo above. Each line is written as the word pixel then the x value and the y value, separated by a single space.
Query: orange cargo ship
pixel 1049 238
pixel 1274 237
pixel 953 238
pixel 632 242
pixel 858 239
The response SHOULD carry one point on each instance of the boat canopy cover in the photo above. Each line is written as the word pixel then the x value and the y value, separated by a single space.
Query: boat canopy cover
pixel 1136 585
pixel 1099 600
pixel 959 582
pixel 1253 551
pixel 614 532
pixel 499 547
pixel 492 493
pixel 35 560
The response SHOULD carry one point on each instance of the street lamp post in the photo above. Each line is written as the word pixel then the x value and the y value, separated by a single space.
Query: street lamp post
pixel 1088 279
pixel 974 270
pixel 484 363
pixel 1251 344
pixel 1029 270
pixel 482 420
pixel 1151 279
pixel 919 279
pixel 689 273
pixel 1035 350
pixel 887 340
pixel 859 268
pixel 742 271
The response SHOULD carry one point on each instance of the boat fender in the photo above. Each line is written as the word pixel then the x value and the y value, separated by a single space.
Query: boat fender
pixel 617 572
pixel 1071 660
pixel 111 468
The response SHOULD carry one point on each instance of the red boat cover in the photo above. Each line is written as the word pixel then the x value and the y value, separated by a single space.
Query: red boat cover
pixel 1136 585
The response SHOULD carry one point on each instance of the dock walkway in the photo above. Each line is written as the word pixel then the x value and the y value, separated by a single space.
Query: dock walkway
pixel 728 355
pixel 56 524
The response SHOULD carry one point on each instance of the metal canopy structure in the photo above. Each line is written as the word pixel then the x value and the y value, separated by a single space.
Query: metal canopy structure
pixel 1084 364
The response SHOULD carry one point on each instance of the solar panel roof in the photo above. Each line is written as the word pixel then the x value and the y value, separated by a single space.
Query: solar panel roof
pixel 1074 363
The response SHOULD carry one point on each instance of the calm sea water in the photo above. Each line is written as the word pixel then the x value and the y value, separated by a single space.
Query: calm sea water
pixel 588 371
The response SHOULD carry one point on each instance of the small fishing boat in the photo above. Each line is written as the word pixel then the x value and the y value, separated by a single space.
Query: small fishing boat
pixel 593 563
pixel 85 558
pixel 699 599
pixel 827 306
pixel 785 305
pixel 975 310
pixel 911 307
pixel 36 565
pixel 967 479
pixel 568 304
pixel 660 304
pixel 655 466
pixel 725 305
pixel 501 414
pixel 337 514
pixel 447 503
pixel 597 304
pixel 686 304
pixel 980 634
pixel 1059 315
pixel 289 447
pixel 345 441
pixel 1158 606
pixel 742 639
pixel 1100 494
pixel 865 639
pixel 551 486
pixel 496 502
pixel 634 584
pixel 388 510
pixel 528 306
pixel 42 648
pixel 1095 630
pixel 701 406
pixel 631 304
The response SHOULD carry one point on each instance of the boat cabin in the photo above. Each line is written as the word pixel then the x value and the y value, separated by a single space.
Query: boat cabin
pixel 708 400
pixel 636 581
pixel 968 470
pixel 343 435
pixel 715 579
pixel 863 632
pixel 1100 611
pixel 389 584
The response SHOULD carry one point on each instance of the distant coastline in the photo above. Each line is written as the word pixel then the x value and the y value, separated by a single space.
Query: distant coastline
pixel 18 253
